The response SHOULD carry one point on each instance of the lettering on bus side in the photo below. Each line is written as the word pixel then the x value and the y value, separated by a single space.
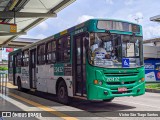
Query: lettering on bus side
pixel 25 73
pixel 68 69
pixel 80 30
pixel 18 70
pixel 63 69
pixel 59 69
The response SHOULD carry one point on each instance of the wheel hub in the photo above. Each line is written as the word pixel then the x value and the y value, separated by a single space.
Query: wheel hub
pixel 62 92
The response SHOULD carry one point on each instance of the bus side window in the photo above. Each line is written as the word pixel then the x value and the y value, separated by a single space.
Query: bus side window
pixel 60 50
pixel 25 58
pixel 63 50
pixel 67 48
pixel 41 54
pixel 49 52
pixel 19 59
pixel 54 51
pixel 11 61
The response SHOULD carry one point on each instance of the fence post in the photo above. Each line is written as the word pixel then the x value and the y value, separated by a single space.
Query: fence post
pixel 6 81
pixel 2 82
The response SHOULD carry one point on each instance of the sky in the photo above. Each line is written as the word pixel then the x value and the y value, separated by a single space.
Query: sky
pixel 82 10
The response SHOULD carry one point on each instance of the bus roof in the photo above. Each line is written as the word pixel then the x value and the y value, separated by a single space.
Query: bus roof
pixel 76 27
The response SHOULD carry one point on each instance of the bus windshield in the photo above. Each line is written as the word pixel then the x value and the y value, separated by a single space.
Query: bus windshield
pixel 109 50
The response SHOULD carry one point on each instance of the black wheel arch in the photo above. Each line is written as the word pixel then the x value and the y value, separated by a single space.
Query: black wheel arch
pixel 60 79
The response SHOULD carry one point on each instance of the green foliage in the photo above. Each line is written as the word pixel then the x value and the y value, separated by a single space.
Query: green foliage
pixel 153 86
pixel 3 68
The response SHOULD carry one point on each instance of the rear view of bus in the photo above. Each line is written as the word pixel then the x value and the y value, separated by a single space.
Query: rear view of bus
pixel 115 60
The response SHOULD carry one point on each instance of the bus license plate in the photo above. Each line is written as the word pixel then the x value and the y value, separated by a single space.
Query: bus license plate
pixel 123 89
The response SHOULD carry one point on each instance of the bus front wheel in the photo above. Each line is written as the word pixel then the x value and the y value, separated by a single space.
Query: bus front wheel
pixel 62 93
pixel 108 100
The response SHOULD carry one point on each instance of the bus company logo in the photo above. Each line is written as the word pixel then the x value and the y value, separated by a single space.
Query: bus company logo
pixel 150 76
pixel 149 66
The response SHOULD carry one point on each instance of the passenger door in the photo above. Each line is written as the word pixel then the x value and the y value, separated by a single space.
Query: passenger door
pixel 32 68
pixel 79 64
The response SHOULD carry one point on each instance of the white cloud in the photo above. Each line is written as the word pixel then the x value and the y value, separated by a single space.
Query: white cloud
pixel 109 1
pixel 137 17
pixel 43 26
pixel 128 2
pixel 84 18
pixel 39 36
pixel 151 32
pixel 4 56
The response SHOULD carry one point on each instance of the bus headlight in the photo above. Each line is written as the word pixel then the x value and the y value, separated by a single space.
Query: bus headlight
pixel 100 83
pixel 142 80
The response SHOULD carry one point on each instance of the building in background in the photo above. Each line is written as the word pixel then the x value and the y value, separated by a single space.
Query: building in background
pixel 152 60
pixel 152 56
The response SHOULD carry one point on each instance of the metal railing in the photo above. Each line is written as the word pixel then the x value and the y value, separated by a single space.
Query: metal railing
pixel 3 83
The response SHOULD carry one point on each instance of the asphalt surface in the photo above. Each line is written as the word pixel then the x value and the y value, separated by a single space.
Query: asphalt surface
pixel 86 110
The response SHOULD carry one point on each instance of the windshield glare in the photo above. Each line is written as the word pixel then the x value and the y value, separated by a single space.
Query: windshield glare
pixel 109 50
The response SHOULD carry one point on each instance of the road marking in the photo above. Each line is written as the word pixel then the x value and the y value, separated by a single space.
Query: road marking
pixel 45 108
pixel 8 85
pixel 20 105
pixel 137 103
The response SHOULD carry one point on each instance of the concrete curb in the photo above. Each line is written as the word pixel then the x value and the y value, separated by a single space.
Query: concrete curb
pixel 153 90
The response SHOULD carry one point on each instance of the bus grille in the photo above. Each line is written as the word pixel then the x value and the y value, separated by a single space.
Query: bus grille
pixel 119 83
pixel 121 74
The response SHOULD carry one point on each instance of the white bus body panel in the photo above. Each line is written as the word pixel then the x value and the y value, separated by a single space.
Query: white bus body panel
pixel 25 77
pixel 42 77
pixel 46 81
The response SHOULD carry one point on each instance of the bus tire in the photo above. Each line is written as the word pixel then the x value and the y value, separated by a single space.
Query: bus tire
pixel 19 84
pixel 108 100
pixel 62 93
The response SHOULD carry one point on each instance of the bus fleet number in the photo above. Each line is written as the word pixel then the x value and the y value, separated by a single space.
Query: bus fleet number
pixel 58 69
pixel 113 79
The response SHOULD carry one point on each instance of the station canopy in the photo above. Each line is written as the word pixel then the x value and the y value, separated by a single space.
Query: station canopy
pixel 19 16
pixel 155 18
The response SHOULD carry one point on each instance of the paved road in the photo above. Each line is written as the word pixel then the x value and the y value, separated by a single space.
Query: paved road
pixel 148 102
pixel 81 109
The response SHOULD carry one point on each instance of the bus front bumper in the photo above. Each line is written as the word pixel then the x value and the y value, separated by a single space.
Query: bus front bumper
pixel 101 93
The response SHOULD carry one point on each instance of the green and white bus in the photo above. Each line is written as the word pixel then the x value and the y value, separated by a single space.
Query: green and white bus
pixel 99 59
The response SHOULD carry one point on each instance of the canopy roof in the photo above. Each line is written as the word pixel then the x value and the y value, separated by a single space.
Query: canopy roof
pixel 26 14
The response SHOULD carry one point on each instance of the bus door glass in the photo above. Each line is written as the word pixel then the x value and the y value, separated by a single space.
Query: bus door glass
pixel 33 68
pixel 14 70
pixel 80 65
